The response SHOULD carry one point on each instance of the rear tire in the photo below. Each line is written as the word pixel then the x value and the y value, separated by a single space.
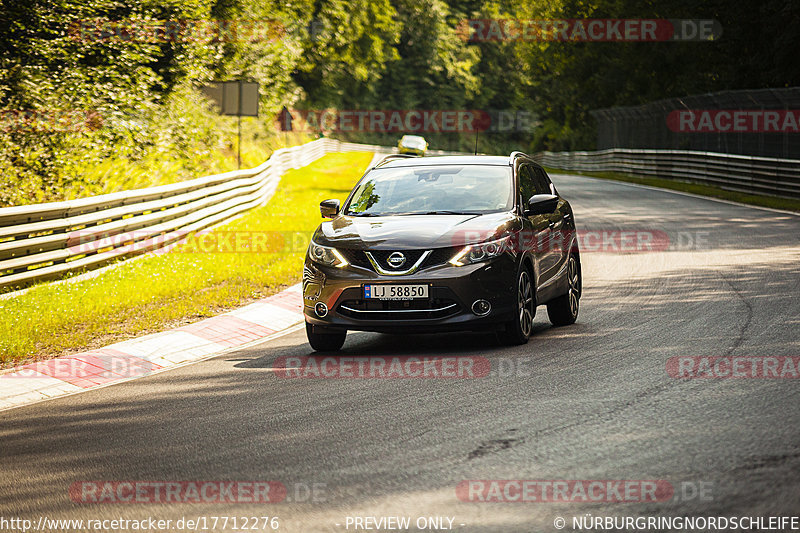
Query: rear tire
pixel 519 330
pixel 325 342
pixel 563 310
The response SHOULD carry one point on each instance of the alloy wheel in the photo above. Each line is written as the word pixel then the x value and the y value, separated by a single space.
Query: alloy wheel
pixel 574 285
pixel 525 302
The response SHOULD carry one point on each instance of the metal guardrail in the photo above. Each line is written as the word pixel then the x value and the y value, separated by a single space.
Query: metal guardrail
pixel 748 174
pixel 46 241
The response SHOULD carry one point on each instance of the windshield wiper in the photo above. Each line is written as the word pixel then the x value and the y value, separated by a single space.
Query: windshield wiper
pixel 450 213
pixel 411 213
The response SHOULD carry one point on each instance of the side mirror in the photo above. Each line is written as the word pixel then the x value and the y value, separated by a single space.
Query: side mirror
pixel 542 204
pixel 329 208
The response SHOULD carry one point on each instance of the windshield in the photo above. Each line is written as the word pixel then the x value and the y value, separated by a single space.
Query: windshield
pixel 457 189
pixel 412 141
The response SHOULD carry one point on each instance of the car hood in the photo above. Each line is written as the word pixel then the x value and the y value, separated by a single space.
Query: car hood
pixel 405 232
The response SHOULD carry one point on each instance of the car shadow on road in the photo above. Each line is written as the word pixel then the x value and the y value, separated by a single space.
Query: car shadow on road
pixel 362 344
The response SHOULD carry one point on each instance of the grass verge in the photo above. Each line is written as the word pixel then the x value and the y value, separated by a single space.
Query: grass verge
pixel 189 283
pixel 787 204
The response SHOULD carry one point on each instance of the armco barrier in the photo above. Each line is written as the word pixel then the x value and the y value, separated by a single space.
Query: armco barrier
pixel 45 241
pixel 758 175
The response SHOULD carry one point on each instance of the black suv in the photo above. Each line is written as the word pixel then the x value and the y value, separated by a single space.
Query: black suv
pixel 440 244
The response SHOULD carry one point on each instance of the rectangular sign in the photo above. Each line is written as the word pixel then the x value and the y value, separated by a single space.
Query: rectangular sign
pixel 234 98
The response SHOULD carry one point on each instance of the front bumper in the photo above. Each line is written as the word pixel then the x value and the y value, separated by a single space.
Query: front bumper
pixel 452 291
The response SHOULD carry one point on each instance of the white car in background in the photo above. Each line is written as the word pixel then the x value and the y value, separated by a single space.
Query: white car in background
pixel 412 144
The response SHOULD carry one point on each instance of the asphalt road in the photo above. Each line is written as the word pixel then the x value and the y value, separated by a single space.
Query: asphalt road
pixel 592 401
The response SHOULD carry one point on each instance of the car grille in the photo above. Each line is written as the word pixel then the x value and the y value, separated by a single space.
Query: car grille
pixel 441 304
pixel 355 257
pixel 441 255
pixel 382 256
pixel 437 256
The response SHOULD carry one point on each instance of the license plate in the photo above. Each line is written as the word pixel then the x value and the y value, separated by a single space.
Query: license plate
pixel 395 292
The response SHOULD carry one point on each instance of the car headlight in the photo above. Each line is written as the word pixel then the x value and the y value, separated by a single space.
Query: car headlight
pixel 475 253
pixel 325 255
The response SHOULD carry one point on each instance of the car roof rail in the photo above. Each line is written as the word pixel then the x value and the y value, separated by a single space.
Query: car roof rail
pixel 392 157
pixel 514 155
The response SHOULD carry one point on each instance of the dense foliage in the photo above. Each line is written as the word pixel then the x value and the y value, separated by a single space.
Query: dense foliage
pixel 140 107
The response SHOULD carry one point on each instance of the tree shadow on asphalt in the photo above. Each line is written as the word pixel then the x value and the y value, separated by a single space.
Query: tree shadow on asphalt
pixel 168 426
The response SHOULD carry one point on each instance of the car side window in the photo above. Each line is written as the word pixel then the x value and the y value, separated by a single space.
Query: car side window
pixel 542 182
pixel 527 185
pixel 550 185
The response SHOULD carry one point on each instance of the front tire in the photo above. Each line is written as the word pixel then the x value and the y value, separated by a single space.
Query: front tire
pixel 563 310
pixel 519 330
pixel 325 342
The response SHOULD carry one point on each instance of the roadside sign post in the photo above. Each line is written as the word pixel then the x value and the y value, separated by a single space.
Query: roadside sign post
pixel 235 98
pixel 239 131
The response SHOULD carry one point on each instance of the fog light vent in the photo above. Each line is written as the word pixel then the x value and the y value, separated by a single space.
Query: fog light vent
pixel 481 307
pixel 321 309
